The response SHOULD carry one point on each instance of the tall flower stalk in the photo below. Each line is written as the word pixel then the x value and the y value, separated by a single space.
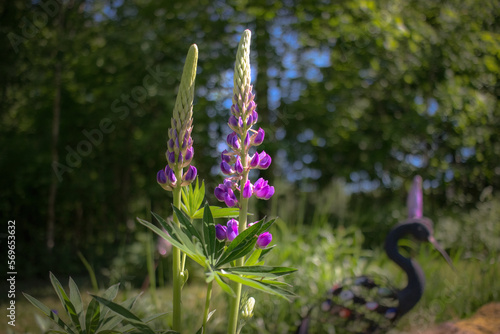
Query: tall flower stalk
pixel 237 162
pixel 179 155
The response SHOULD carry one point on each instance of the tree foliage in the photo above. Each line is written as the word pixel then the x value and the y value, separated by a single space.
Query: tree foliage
pixel 370 91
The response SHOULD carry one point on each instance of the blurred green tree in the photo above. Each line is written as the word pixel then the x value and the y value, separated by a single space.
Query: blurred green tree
pixel 369 91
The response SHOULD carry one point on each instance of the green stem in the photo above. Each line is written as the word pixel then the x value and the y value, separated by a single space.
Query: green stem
pixel 235 302
pixel 207 307
pixel 176 252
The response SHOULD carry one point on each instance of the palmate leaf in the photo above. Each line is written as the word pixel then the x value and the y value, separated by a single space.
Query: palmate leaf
pixel 177 238
pixel 126 315
pixel 146 320
pixel 192 198
pixel 66 302
pixel 190 230
pixel 111 319
pixel 48 312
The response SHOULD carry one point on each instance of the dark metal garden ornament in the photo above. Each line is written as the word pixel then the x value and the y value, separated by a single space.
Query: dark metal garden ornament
pixel 369 304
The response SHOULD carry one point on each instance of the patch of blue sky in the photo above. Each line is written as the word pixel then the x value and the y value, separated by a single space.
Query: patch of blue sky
pixel 415 160
pixel 433 106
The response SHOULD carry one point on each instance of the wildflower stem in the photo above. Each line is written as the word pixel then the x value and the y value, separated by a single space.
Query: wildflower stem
pixel 176 252
pixel 207 307
pixel 235 302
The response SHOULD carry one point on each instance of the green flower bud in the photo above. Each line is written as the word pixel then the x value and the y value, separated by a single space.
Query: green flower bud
pixel 247 310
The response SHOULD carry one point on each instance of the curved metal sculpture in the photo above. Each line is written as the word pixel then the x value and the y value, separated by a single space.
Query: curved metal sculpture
pixel 369 304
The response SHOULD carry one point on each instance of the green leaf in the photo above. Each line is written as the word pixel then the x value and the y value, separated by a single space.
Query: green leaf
pixel 167 226
pixel 48 312
pixel 225 287
pixel 76 299
pixel 126 314
pixel 178 239
pixel 92 317
pixel 261 271
pixel 171 237
pixel 243 243
pixel 209 238
pixel 265 287
pixel 109 322
pixel 66 302
pixel 145 320
pixel 254 258
pixel 184 221
pixel 192 198
pixel 218 212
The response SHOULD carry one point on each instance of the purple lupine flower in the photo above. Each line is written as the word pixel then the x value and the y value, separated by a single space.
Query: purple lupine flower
pixel 262 189
pixel 247 189
pixel 220 192
pixel 226 156
pixel 232 229
pixel 255 160
pixel 230 198
pixel 233 123
pixel 264 160
pixel 189 176
pixel 189 154
pixel 232 140
pixel 226 168
pixel 238 167
pixel 258 137
pixel 170 175
pixel 221 232
pixel 171 157
pixel 264 240
pixel 161 178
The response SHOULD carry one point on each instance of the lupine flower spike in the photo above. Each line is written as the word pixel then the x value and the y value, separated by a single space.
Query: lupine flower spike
pixel 236 162
pixel 180 150
pixel 179 155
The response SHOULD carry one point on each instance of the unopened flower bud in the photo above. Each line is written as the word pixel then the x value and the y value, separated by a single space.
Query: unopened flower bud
pixel 189 154
pixel 264 240
pixel 247 189
pixel 170 175
pixel 225 156
pixel 247 310
pixel 259 137
pixel 220 232
pixel 233 122
pixel 226 168
pixel 161 178
pixel 238 166
pixel 232 229
pixel 190 175
pixel 254 162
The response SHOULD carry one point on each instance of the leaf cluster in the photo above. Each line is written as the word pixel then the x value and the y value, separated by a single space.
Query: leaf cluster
pixel 214 256
pixel 102 316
